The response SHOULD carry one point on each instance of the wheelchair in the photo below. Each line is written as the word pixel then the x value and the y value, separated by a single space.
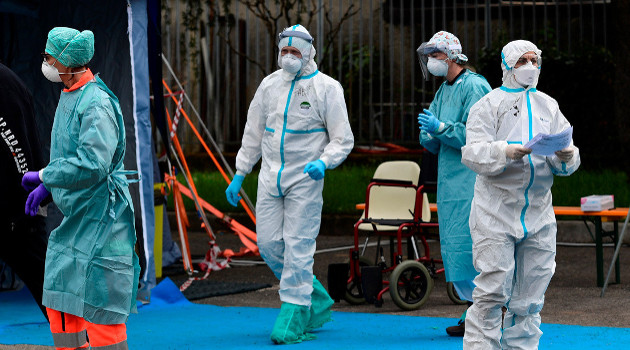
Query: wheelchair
pixel 398 208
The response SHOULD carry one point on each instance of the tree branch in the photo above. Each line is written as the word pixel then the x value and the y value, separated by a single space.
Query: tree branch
pixel 330 36
pixel 284 8
pixel 241 54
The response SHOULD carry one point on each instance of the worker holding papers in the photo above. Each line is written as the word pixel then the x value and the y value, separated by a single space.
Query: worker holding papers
pixel 547 145
pixel 517 140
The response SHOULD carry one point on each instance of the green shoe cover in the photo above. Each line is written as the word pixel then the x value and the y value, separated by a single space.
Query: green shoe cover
pixel 290 327
pixel 320 306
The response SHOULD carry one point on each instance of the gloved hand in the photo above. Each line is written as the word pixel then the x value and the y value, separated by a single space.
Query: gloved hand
pixel 565 155
pixel 34 198
pixel 516 151
pixel 428 122
pixel 231 193
pixel 31 180
pixel 315 169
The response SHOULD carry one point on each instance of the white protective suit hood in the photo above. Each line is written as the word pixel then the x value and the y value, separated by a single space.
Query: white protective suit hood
pixel 288 38
pixel 510 55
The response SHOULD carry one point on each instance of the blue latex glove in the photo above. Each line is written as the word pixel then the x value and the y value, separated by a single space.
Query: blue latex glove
pixel 34 198
pixel 31 180
pixel 428 122
pixel 315 169
pixel 231 193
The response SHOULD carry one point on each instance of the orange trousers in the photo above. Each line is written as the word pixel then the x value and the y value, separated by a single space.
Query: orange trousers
pixel 72 332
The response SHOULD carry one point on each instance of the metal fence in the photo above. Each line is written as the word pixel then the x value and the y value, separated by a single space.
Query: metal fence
pixel 222 51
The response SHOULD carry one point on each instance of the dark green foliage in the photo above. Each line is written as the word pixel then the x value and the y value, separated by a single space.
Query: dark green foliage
pixel 346 185
pixel 568 190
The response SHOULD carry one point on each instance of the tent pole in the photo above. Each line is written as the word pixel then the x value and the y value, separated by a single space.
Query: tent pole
pixel 205 129
pixel 202 213
pixel 612 263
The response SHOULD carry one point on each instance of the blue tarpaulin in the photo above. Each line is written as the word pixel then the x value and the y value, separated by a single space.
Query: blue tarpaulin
pixel 172 322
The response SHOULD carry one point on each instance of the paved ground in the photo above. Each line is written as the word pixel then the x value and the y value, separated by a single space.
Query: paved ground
pixel 572 297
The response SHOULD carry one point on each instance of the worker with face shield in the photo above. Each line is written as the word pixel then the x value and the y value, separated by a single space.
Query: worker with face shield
pixel 91 270
pixel 512 221
pixel 298 123
pixel 443 132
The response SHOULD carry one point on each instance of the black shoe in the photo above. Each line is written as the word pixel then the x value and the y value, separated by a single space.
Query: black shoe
pixel 457 331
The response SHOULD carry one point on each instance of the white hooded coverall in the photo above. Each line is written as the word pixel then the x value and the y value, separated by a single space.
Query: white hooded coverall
pixel 512 222
pixel 293 120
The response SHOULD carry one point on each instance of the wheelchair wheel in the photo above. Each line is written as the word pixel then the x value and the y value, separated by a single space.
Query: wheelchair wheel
pixel 452 294
pixel 410 285
pixel 354 291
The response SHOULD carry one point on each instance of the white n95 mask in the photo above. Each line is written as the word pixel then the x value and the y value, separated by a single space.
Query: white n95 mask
pixel 290 63
pixel 50 72
pixel 526 74
pixel 439 68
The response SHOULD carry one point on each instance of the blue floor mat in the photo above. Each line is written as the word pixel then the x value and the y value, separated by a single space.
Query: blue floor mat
pixel 172 322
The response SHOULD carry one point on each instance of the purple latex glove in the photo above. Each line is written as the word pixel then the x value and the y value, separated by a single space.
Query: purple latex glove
pixel 34 198
pixel 31 180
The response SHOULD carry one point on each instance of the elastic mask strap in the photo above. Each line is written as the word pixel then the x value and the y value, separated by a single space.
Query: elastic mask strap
pixel 83 71
pixel 62 51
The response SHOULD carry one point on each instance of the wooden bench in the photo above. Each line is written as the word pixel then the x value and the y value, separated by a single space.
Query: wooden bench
pixel 596 217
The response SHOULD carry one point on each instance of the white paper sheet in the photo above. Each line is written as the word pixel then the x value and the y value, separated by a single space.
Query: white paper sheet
pixel 546 145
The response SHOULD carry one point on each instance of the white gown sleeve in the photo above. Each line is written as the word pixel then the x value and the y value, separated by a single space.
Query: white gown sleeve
pixel 483 153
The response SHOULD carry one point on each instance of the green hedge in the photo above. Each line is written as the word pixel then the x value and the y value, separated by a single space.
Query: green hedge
pixel 345 187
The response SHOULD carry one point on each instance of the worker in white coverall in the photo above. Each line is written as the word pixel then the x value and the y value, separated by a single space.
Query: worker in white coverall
pixel 512 222
pixel 298 123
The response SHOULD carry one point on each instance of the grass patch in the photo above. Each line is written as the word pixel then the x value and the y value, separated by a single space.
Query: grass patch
pixel 567 190
pixel 345 187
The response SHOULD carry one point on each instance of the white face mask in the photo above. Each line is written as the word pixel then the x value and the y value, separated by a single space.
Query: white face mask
pixel 290 63
pixel 439 68
pixel 526 74
pixel 50 72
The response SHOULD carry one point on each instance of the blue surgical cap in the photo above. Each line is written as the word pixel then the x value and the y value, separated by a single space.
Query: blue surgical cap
pixel 70 47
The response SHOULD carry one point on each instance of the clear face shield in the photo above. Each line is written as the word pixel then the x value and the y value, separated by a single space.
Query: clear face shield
pixel 425 50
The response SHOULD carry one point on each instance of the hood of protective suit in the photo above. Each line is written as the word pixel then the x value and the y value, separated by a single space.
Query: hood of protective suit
pixel 305 47
pixel 510 55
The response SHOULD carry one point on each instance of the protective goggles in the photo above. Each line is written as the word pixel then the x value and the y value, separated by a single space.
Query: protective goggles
pixel 287 32
pixel 536 61
pixel 527 58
